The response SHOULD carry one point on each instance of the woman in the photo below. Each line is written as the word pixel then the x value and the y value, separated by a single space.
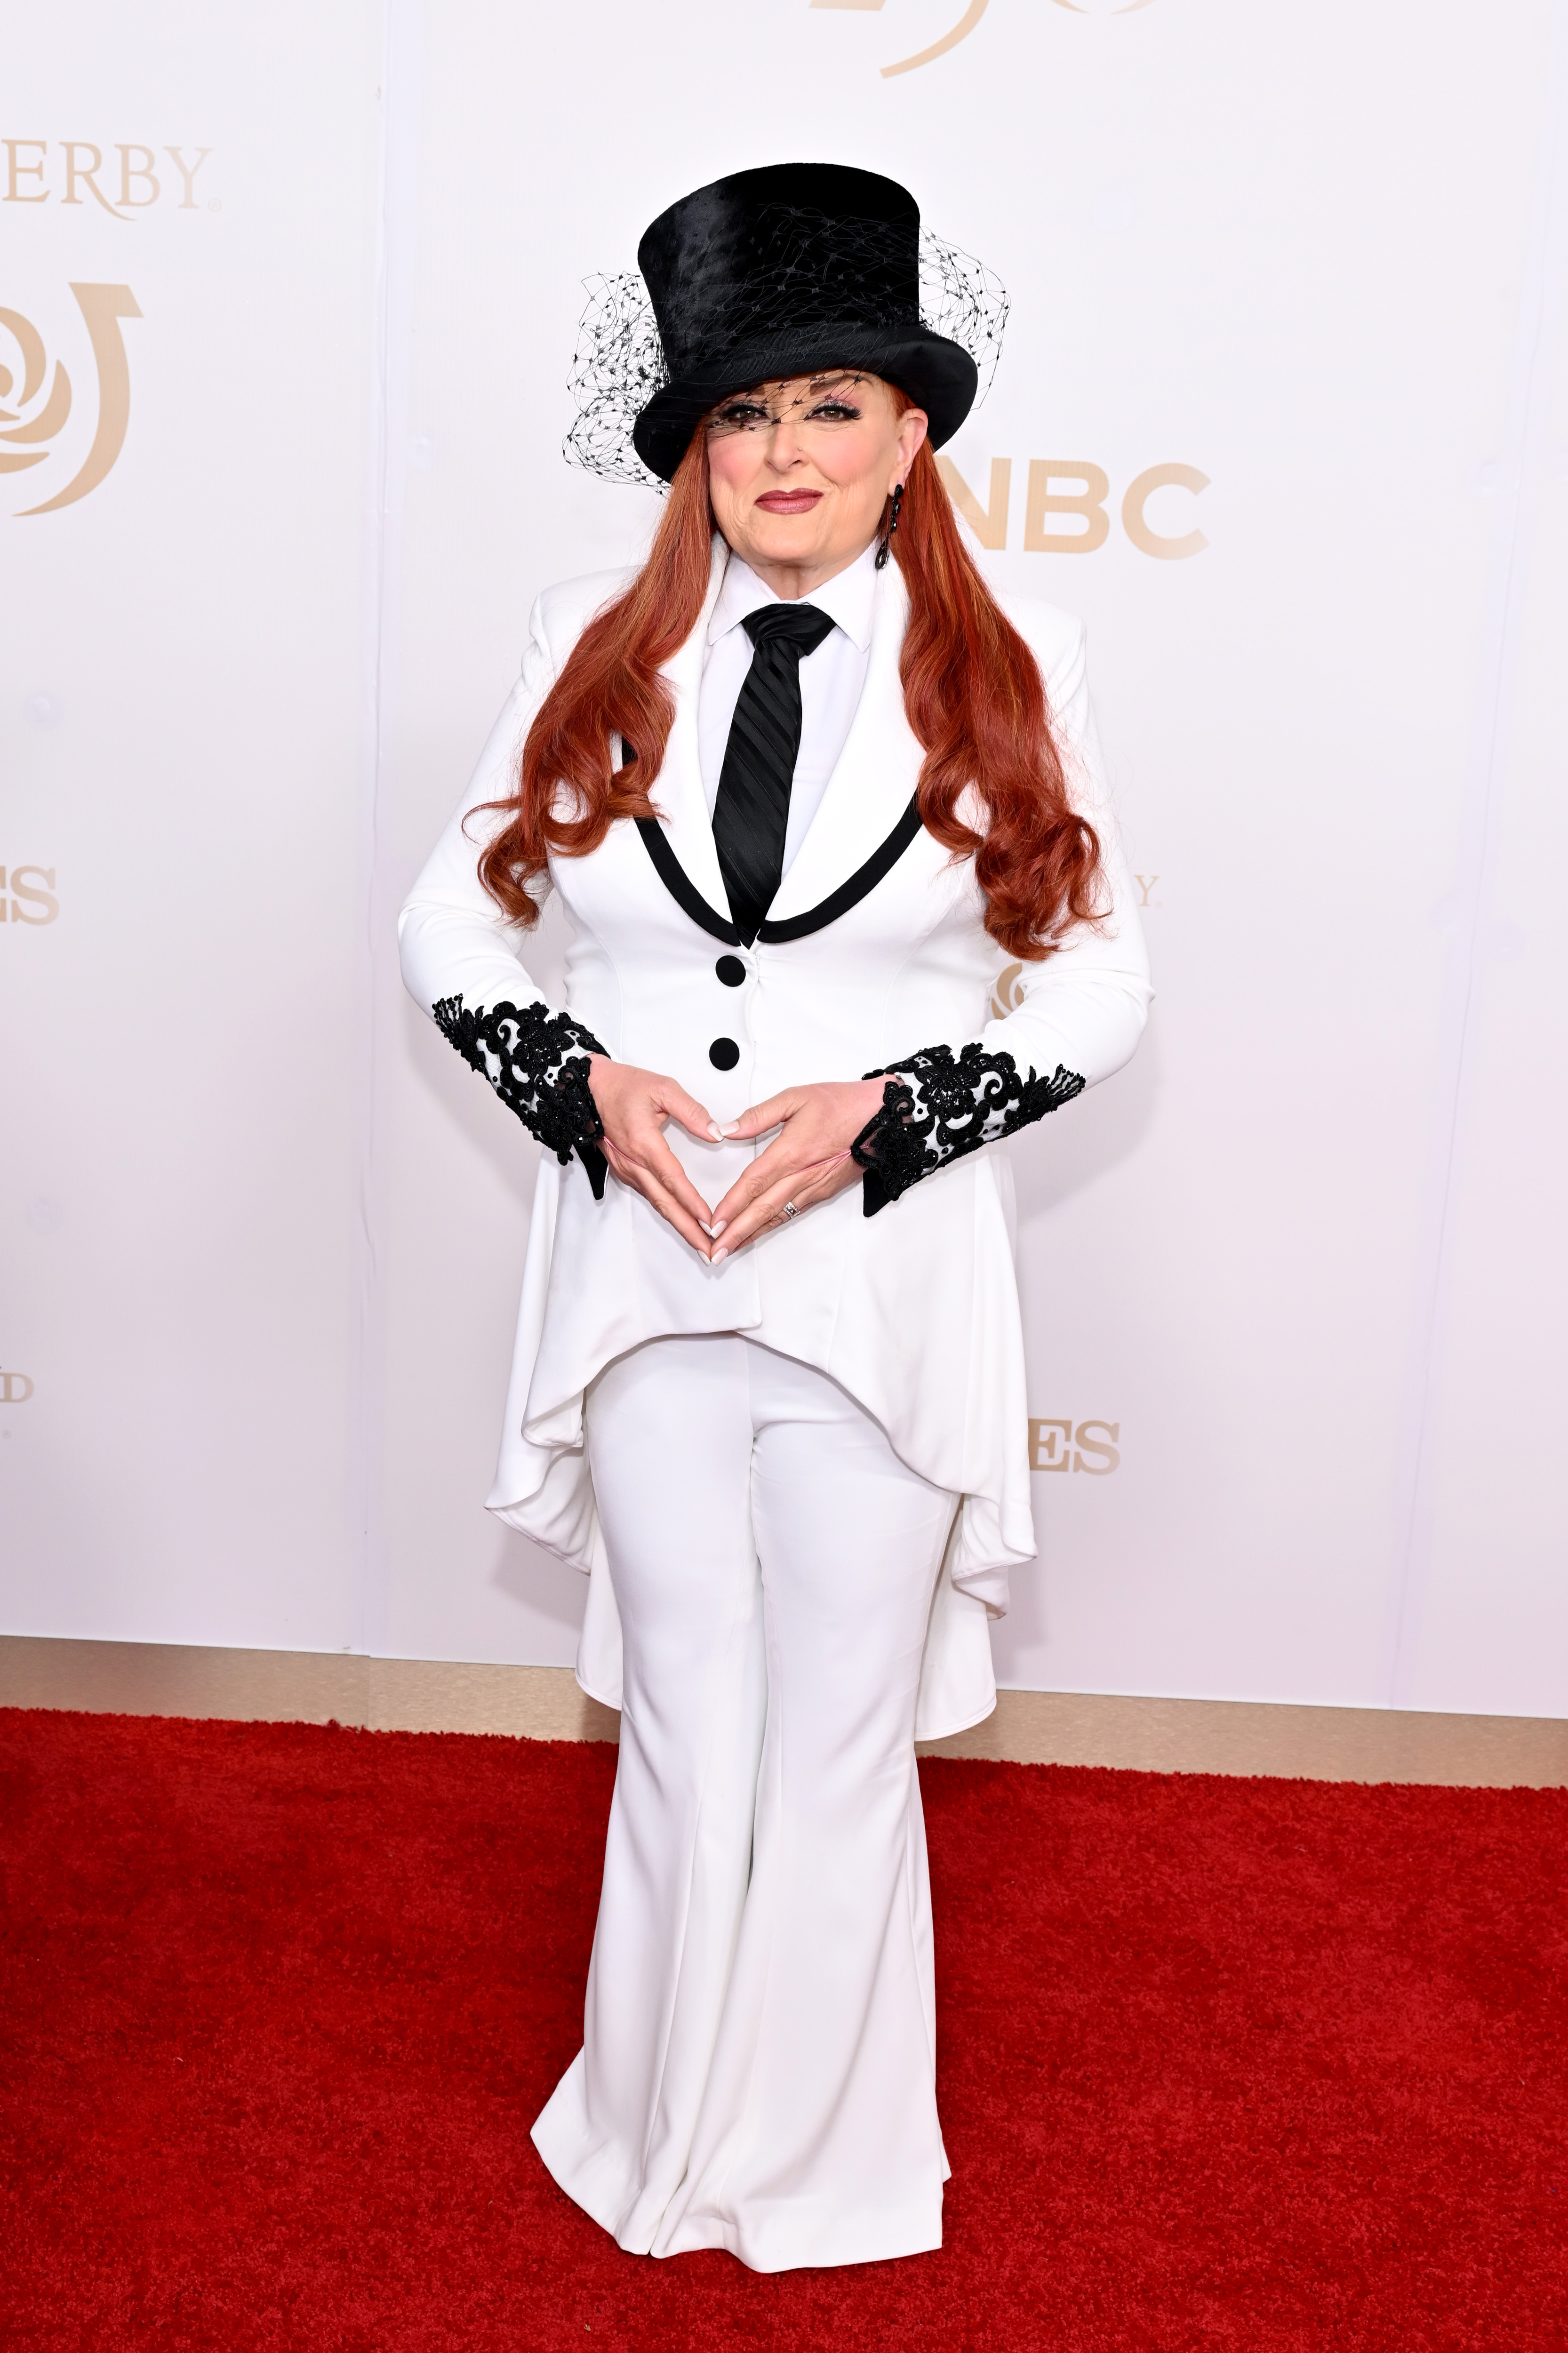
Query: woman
pixel 799 802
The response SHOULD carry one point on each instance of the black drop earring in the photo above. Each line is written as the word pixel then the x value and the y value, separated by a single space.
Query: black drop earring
pixel 886 549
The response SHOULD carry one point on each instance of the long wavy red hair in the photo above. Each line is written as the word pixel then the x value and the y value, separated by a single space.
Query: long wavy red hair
pixel 973 691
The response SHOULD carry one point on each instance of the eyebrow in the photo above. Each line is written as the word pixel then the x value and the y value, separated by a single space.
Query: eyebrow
pixel 814 383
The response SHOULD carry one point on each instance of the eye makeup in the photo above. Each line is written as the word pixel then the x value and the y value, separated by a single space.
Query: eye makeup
pixel 827 401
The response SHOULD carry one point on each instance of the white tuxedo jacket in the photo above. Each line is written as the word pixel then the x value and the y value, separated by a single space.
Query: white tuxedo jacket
pixel 913 1310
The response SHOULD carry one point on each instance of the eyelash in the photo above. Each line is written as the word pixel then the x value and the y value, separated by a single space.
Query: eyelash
pixel 833 411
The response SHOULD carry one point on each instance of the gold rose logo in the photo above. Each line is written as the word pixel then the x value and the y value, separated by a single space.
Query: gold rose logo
pixel 1008 994
pixel 36 398
pixel 968 21
pixel 960 32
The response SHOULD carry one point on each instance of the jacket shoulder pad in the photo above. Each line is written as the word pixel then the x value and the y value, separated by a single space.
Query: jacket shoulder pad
pixel 1053 637
pixel 564 610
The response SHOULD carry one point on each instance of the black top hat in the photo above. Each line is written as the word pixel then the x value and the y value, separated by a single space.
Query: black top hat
pixel 789 270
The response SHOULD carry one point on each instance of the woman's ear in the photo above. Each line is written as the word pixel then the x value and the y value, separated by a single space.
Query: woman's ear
pixel 912 427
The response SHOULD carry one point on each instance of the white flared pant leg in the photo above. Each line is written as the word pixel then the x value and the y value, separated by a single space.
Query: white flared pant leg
pixel 758 2065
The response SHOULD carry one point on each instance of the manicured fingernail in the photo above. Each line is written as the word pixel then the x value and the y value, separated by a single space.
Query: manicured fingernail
pixel 716 1132
pixel 718 1257
pixel 717 1230
pixel 709 1230
pixel 734 1124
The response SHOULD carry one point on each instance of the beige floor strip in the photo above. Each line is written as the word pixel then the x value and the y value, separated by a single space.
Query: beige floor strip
pixel 1153 1735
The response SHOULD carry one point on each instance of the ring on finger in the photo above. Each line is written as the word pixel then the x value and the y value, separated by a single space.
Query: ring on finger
pixel 790 1210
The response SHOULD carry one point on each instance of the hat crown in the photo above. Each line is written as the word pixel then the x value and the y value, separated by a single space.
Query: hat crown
pixel 789 246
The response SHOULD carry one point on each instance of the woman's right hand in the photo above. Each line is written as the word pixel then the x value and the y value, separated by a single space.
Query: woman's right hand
pixel 634 1106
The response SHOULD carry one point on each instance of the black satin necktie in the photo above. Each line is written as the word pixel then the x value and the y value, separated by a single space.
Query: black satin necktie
pixel 751 815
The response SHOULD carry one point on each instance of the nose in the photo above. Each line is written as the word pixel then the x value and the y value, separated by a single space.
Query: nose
pixel 783 445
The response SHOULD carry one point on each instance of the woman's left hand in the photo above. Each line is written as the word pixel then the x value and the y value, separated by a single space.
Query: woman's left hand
pixel 807 1162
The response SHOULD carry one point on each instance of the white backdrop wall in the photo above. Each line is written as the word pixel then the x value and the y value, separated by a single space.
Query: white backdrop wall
pixel 1300 1270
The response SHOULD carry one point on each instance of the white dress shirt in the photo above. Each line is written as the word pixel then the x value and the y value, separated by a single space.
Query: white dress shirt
pixel 831 680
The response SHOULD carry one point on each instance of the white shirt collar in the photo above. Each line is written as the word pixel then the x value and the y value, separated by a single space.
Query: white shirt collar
pixel 847 598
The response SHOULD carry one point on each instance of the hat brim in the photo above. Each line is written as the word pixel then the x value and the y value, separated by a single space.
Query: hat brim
pixel 939 375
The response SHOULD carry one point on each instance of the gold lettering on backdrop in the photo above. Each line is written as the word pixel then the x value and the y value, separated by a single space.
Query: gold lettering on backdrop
pixel 16 171
pixel 1052 1444
pixel 1139 493
pixel 142 171
pixel 1145 884
pixel 188 175
pixel 1096 1446
pixel 15 1388
pixel 28 896
pixel 989 524
pixel 1043 1454
pixel 1042 501
pixel 25 161
pixel 74 172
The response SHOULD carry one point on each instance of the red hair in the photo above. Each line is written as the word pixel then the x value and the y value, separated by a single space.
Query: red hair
pixel 973 691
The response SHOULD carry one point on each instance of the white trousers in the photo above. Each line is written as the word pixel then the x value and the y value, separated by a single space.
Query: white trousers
pixel 759 2041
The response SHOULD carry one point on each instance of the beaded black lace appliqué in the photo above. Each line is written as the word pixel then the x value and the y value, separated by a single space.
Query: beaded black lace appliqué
pixel 956 1104
pixel 537 1063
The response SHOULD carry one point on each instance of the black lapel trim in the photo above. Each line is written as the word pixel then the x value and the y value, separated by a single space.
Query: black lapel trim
pixel 681 886
pixel 864 880
pixel 674 876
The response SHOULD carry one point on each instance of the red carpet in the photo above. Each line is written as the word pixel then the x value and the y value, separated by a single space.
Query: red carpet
pixel 1260 2065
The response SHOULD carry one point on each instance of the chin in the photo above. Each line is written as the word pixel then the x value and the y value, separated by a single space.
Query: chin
pixel 788 539
pixel 788 534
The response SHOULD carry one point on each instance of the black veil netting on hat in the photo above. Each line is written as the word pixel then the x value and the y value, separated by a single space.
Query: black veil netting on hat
pixel 619 365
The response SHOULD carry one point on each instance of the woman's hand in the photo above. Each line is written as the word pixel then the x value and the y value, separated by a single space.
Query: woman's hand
pixel 634 1106
pixel 807 1162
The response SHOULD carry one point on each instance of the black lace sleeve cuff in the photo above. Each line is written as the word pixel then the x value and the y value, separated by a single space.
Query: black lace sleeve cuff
pixel 938 1105
pixel 537 1063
